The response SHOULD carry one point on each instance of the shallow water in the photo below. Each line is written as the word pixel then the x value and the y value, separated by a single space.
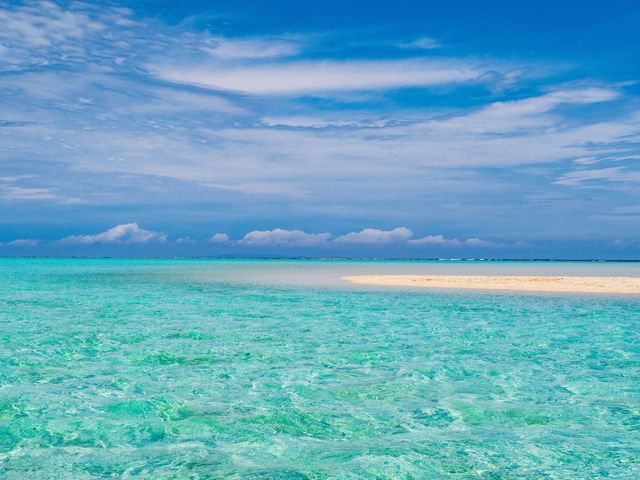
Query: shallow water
pixel 278 370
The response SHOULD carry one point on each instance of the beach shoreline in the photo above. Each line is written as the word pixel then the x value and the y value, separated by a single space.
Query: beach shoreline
pixel 513 283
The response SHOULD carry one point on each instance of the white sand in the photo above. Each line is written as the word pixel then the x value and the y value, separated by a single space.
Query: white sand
pixel 628 285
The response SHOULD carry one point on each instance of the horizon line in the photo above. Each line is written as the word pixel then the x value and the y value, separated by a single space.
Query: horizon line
pixel 285 258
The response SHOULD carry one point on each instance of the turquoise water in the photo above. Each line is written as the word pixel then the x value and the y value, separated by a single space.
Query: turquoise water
pixel 278 370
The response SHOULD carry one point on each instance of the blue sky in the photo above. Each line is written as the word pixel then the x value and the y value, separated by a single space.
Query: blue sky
pixel 417 129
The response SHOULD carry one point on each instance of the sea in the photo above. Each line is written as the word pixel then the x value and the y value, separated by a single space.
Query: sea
pixel 278 369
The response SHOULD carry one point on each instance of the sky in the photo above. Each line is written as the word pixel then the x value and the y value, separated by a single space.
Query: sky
pixel 421 129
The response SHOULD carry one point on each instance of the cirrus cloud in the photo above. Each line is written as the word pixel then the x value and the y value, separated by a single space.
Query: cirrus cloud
pixel 250 48
pixel 24 242
pixel 321 76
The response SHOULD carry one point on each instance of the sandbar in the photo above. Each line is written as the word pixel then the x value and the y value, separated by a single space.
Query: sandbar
pixel 568 284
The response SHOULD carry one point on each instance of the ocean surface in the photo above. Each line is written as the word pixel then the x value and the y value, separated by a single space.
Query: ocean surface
pixel 206 369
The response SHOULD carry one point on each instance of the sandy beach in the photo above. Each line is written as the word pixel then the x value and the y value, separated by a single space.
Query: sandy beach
pixel 620 285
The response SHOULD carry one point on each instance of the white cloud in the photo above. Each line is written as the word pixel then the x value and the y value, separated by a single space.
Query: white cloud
pixel 527 113
pixel 373 236
pixel 125 233
pixel 628 210
pixel 28 194
pixel 321 76
pixel 437 240
pixel 478 242
pixel 628 242
pixel 367 236
pixel 44 23
pixel 280 237
pixel 311 122
pixel 258 188
pixel 15 178
pixel 32 31
pixel 422 43
pixel 612 174
pixel 586 160
pixel 525 116
pixel 186 241
pixel 378 155
pixel 20 193
pixel 24 242
pixel 408 161
pixel 155 101
pixel 441 241
pixel 258 48
pixel 219 238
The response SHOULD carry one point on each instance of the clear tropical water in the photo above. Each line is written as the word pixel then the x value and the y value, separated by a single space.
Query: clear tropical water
pixel 277 370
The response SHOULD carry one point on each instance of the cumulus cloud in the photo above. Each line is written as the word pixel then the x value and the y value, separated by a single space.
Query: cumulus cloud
pixel 186 241
pixel 373 236
pixel 125 233
pixel 436 240
pixel 280 237
pixel 441 241
pixel 219 238
pixel 367 236
pixel 479 242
